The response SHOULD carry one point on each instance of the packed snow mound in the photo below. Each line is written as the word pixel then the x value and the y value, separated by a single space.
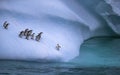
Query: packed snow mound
pixel 63 22
pixel 57 25
pixel 14 47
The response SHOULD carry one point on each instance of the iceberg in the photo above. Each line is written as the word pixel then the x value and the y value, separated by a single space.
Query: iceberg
pixel 68 23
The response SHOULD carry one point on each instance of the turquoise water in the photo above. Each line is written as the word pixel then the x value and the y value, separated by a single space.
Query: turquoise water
pixel 98 56
pixel 100 52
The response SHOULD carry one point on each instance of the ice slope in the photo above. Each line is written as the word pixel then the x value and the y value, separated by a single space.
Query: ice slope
pixel 62 22
pixel 58 27
pixel 14 47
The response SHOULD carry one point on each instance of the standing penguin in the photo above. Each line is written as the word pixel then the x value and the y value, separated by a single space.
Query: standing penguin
pixel 58 47
pixel 5 25
pixel 26 31
pixel 32 36
pixel 28 34
pixel 21 34
pixel 38 37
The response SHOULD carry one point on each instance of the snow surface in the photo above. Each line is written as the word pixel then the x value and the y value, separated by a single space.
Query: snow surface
pixel 60 23
pixel 54 23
